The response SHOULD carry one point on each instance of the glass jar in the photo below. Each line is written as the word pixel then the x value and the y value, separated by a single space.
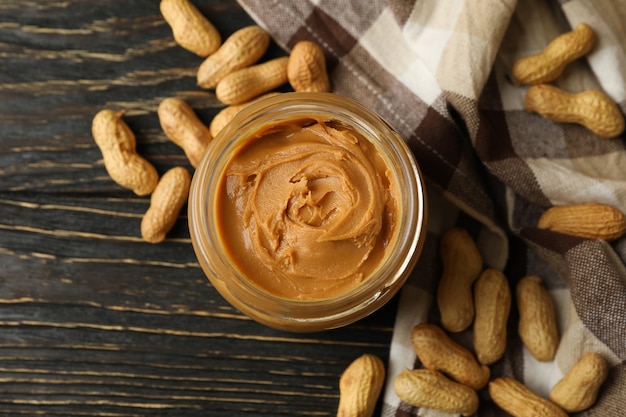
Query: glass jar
pixel 339 310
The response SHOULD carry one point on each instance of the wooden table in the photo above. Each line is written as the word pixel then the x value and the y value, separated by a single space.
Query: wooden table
pixel 94 321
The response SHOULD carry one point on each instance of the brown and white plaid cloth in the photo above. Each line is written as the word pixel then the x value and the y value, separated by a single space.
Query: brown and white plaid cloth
pixel 438 72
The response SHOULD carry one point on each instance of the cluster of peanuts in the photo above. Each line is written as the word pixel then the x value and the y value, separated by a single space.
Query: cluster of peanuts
pixel 593 109
pixel 231 68
pixel 451 374
pixel 469 295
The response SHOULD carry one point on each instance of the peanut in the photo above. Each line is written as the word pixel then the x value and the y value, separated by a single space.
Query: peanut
pixel 550 63
pixel 306 69
pixel 462 263
pixel 360 386
pixel 537 322
pixel 224 116
pixel 248 83
pixel 438 352
pixel 578 389
pixel 431 389
pixel 241 49
pixel 519 401
pixel 592 109
pixel 182 126
pixel 589 221
pixel 168 198
pixel 492 298
pixel 118 146
pixel 190 28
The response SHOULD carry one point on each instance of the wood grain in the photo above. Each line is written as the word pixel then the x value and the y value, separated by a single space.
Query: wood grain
pixel 94 321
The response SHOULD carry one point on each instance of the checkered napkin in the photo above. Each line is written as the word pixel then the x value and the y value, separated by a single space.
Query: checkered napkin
pixel 438 72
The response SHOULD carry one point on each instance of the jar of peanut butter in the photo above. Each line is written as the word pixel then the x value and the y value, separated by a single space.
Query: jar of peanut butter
pixel 307 211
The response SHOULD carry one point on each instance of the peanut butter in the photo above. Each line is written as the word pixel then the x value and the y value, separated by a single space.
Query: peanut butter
pixel 306 209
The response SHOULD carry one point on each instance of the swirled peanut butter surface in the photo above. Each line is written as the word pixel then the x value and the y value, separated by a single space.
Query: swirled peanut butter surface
pixel 307 209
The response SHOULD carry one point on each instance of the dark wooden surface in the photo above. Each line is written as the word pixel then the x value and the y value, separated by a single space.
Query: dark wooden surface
pixel 93 321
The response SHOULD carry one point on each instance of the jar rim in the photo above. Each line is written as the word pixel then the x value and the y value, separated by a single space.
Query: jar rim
pixel 381 284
